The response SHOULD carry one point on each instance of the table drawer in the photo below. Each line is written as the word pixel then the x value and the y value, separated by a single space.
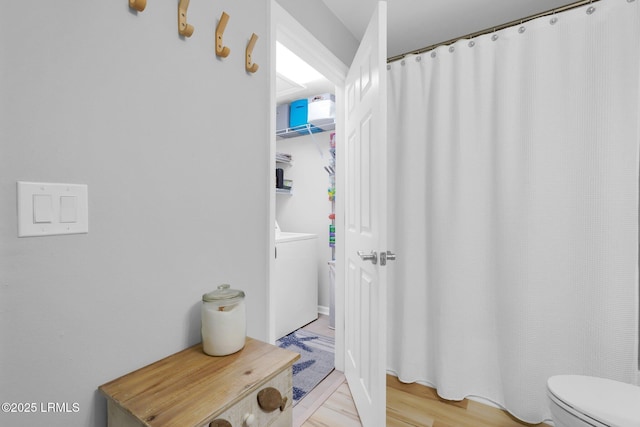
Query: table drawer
pixel 249 405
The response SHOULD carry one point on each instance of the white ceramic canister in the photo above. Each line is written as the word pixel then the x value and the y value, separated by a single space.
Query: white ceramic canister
pixel 224 325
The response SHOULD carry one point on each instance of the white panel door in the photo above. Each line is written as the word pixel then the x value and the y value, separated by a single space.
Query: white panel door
pixel 366 228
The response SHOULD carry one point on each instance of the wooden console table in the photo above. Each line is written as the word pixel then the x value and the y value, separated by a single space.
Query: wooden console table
pixel 252 387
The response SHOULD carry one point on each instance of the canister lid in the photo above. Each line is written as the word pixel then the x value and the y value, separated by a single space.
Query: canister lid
pixel 224 294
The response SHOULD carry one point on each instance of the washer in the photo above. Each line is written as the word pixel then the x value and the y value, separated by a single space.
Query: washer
pixel 295 284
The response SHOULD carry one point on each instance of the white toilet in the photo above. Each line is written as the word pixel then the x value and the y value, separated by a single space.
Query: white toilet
pixel 582 401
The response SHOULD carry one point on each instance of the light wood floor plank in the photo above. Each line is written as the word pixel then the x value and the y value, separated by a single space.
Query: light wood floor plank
pixel 314 400
pixel 321 326
pixel 393 422
pixel 417 402
pixel 338 410
pixel 420 411
pixel 422 391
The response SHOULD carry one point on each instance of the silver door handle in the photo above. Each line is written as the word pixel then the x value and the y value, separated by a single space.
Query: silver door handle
pixel 387 256
pixel 373 257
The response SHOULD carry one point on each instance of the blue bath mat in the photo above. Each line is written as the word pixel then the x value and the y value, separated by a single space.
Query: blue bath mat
pixel 315 363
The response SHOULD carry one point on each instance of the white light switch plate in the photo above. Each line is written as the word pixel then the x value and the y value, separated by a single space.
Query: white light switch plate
pixel 68 212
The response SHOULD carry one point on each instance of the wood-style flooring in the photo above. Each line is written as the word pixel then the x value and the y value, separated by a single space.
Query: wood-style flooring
pixel 331 405
pixel 417 405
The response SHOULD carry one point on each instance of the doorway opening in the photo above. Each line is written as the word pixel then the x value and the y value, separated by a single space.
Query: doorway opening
pixel 285 206
pixel 305 188
pixel 302 202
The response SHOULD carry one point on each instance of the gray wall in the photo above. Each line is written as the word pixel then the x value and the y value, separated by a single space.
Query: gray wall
pixel 173 144
pixel 316 17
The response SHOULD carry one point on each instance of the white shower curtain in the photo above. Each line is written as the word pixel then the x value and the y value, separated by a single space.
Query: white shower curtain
pixel 515 208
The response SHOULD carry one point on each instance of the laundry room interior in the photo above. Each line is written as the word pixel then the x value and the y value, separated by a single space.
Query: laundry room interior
pixel 305 183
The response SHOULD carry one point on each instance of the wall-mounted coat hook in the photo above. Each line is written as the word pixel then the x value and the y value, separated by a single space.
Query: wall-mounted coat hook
pixel 184 29
pixel 221 50
pixel 249 65
pixel 138 5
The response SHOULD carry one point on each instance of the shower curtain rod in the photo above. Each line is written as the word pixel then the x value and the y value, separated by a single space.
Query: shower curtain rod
pixel 493 29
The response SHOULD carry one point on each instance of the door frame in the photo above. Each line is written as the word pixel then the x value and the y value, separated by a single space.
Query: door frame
pixel 299 40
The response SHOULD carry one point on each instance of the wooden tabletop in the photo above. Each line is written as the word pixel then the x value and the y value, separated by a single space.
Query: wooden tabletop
pixel 190 387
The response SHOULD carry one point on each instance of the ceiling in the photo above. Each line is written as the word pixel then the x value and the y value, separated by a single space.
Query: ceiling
pixel 414 24
pixel 287 90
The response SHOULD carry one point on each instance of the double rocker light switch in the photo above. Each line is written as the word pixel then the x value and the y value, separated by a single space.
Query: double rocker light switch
pixel 49 209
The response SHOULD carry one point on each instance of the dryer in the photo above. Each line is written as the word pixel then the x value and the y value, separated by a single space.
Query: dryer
pixel 295 284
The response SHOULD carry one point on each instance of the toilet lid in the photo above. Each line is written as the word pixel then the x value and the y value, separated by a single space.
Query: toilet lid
pixel 611 402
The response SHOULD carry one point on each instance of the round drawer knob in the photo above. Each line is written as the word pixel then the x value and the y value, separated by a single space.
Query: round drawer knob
pixel 249 420
pixel 220 423
pixel 270 399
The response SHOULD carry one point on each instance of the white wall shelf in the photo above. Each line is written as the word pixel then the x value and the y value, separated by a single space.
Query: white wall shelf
pixel 302 130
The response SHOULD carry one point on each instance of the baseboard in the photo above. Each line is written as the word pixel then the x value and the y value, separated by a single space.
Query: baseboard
pixel 323 310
